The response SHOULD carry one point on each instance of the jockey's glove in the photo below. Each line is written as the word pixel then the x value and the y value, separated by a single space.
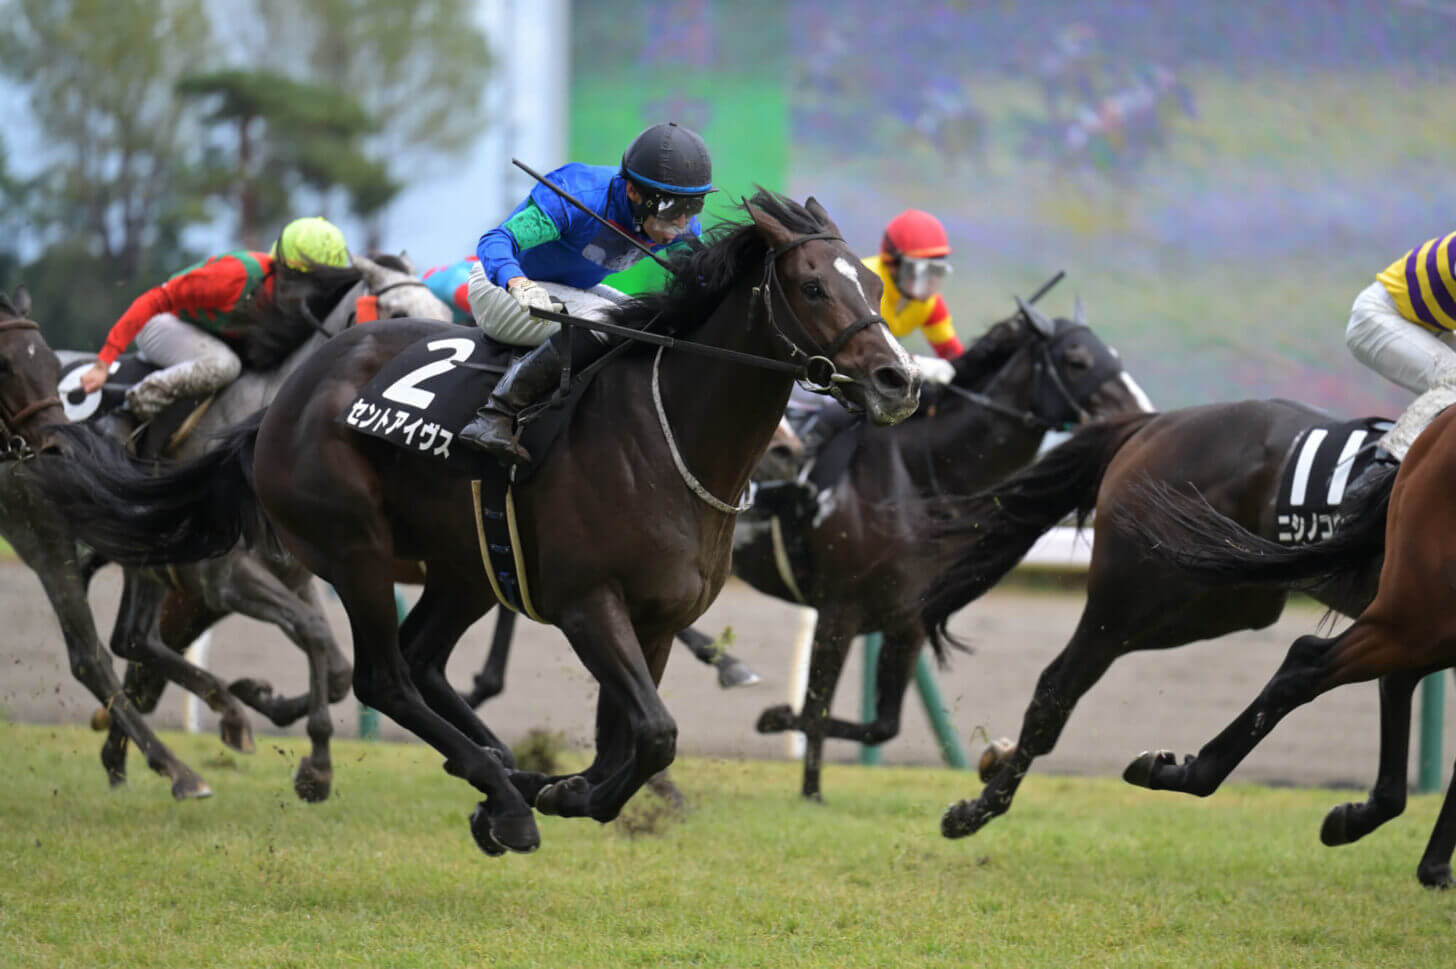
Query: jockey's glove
pixel 530 293
pixel 934 370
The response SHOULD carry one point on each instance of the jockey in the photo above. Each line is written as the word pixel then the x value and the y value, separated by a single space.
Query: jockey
pixel 655 194
pixel 1403 326
pixel 190 325
pixel 450 284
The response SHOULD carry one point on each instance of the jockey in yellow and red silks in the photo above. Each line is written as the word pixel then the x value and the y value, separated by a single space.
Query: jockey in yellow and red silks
pixel 913 265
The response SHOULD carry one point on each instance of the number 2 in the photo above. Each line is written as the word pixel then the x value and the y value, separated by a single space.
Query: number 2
pixel 406 390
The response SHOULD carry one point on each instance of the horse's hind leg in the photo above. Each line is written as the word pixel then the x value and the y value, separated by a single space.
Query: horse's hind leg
pixel 900 652
pixel 1350 822
pixel 135 637
pixel 732 671
pixel 491 679
pixel 144 686
pixel 1434 870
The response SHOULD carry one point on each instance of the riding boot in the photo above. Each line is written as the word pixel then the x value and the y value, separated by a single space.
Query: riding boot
pixel 525 381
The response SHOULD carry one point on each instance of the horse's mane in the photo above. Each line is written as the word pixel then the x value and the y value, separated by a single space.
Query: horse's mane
pixel 391 261
pixel 984 358
pixel 703 274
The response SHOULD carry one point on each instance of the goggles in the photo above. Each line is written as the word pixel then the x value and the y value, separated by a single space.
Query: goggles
pixel 672 208
pixel 921 278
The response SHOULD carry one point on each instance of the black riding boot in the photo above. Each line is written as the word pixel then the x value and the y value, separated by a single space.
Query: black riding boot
pixel 525 381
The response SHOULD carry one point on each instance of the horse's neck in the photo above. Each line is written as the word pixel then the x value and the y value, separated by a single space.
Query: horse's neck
pixel 965 446
pixel 723 414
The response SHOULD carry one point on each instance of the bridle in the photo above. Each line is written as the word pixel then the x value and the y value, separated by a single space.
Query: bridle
pixel 1045 373
pixel 817 371
pixel 15 447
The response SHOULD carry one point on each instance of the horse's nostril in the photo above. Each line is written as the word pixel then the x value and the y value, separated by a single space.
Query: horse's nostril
pixel 891 380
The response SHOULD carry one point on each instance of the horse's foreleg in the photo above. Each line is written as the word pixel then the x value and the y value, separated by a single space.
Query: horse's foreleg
pixel 135 637
pixel 144 686
pixel 1350 822
pixel 92 667
pixel 832 637
pixel 382 680
pixel 491 679
pixel 1434 870
pixel 247 585
pixel 447 608
pixel 640 737
pixel 732 671
pixel 897 660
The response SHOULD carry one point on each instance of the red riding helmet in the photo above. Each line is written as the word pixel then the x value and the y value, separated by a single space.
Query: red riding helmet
pixel 916 235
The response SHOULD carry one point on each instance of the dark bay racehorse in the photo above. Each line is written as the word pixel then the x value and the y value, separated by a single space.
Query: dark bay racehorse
pixel 622 549
pixel 1232 454
pixel 163 610
pixel 1405 632
pixel 869 562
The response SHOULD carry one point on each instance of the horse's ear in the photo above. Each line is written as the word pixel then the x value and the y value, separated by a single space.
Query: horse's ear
pixel 817 211
pixel 409 264
pixel 22 300
pixel 372 271
pixel 1079 312
pixel 1038 320
pixel 772 230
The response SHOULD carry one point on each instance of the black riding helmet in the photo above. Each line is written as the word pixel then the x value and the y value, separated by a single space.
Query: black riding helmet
pixel 670 166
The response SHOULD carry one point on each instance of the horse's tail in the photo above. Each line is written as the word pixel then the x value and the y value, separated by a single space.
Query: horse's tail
pixel 1187 532
pixel 993 530
pixel 137 513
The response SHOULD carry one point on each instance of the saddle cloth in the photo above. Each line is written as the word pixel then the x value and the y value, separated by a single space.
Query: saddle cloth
pixel 1324 460
pixel 161 436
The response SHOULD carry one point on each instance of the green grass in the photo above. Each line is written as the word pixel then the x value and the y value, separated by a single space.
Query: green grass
pixel 1084 872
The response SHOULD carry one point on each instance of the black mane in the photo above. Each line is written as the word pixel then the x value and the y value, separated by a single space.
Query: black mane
pixel 703 274
pixel 984 358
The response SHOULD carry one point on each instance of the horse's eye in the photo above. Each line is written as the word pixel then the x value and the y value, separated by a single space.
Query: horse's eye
pixel 812 289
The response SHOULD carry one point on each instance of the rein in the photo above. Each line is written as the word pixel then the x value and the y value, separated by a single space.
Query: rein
pixel 15 447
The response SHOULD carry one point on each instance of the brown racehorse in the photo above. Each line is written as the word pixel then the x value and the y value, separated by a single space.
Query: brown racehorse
pixel 1408 631
pixel 1232 453
pixel 622 550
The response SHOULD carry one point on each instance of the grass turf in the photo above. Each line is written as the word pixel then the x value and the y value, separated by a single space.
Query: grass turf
pixel 1083 872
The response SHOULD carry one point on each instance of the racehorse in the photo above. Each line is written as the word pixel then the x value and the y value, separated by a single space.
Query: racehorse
pixel 1233 454
pixel 181 602
pixel 868 561
pixel 625 525
pixel 1405 632
pixel 779 463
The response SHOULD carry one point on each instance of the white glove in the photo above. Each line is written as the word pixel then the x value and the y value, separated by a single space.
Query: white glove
pixel 934 370
pixel 530 293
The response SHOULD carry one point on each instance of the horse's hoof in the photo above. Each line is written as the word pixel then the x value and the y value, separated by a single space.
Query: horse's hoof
pixel 996 754
pixel 254 693
pixel 566 797
pixel 190 787
pixel 496 835
pixel 101 719
pixel 1435 876
pixel 480 831
pixel 963 818
pixel 1140 771
pixel 1335 829
pixel 776 719
pixel 310 783
pixel 115 778
pixel 734 672
pixel 236 733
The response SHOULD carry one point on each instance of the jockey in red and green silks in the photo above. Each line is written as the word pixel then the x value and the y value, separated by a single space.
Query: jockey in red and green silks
pixel 187 326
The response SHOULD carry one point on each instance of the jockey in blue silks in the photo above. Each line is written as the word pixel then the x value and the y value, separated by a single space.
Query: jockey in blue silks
pixel 655 196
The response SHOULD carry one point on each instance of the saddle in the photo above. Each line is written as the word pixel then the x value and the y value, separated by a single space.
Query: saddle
pixel 158 438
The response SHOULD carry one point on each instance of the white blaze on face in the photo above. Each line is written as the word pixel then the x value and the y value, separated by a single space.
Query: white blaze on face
pixel 851 272
pixel 1138 395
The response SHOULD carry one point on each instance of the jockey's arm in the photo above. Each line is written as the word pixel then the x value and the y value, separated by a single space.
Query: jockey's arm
pixel 500 249
pixel 940 331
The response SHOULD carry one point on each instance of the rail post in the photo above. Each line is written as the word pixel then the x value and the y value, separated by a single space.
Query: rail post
pixel 873 644
pixel 1428 758
pixel 950 747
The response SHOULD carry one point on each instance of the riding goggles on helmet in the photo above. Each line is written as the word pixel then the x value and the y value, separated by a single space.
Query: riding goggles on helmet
pixel 672 208
pixel 921 278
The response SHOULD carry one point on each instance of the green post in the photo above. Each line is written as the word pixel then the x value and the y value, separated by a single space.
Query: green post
pixel 1433 702
pixel 950 747
pixel 869 753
